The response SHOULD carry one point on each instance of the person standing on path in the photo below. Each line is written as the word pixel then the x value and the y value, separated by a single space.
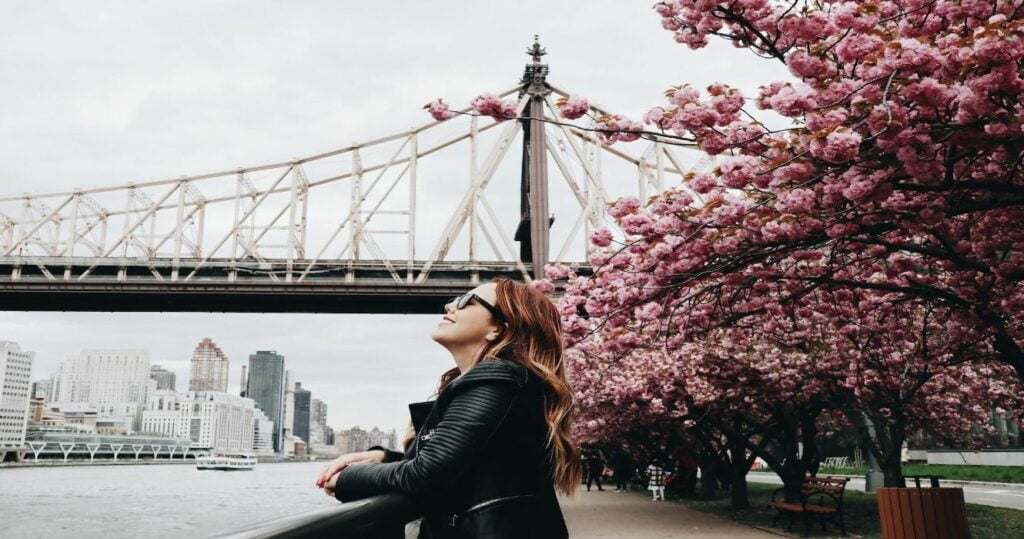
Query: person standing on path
pixel 656 481
pixel 595 467
pixel 620 464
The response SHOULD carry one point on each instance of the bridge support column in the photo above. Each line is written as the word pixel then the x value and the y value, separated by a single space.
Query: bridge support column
pixel 535 224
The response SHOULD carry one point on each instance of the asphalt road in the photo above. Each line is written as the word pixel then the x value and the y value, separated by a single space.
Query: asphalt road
pixel 1012 498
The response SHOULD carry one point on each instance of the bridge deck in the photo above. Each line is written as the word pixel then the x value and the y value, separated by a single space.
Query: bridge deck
pixel 132 285
pixel 633 514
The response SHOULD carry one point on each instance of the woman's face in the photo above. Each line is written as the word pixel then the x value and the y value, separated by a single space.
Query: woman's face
pixel 473 325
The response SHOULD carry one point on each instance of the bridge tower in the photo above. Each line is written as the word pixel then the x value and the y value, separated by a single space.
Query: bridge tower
pixel 534 223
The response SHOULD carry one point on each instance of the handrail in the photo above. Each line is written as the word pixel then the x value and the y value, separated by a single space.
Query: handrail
pixel 379 517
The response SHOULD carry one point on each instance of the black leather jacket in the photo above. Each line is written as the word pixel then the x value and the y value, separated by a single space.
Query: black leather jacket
pixel 478 466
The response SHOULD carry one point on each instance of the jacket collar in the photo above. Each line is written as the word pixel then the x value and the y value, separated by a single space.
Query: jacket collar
pixel 418 412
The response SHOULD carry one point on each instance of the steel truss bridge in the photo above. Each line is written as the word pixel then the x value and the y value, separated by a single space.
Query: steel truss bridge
pixel 340 231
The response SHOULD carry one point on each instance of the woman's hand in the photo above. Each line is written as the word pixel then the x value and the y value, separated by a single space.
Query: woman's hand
pixel 328 476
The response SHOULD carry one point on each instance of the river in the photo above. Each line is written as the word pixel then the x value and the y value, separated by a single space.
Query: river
pixel 151 501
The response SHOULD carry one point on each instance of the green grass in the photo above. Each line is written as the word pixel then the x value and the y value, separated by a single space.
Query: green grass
pixel 861 511
pixel 998 474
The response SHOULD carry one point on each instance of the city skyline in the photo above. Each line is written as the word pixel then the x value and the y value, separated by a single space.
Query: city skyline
pixel 357 392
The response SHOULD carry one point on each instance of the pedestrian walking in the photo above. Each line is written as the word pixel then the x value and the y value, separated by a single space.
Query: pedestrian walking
pixel 595 467
pixel 656 481
pixel 620 464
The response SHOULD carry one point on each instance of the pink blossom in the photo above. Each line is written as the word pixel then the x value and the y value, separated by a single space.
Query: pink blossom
pixel 544 285
pixel 792 100
pixel 616 128
pixel 624 206
pixel 797 201
pixel 857 46
pixel 839 146
pixel 573 107
pixel 601 237
pixel 492 105
pixel 703 183
pixel 637 223
pixel 439 110
pixel 737 172
pixel 803 64
pixel 683 95
pixel 557 272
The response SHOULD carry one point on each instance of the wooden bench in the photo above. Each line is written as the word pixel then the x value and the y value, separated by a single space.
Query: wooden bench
pixel 821 499
pixel 933 479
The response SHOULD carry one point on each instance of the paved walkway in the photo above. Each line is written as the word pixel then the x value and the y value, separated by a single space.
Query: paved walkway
pixel 633 514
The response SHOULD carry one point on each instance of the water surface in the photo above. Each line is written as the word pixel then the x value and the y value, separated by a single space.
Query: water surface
pixel 151 501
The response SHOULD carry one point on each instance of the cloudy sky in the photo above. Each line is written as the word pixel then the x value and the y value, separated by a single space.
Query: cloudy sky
pixel 106 93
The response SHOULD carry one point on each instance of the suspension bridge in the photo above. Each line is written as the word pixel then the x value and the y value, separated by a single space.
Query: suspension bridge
pixel 342 231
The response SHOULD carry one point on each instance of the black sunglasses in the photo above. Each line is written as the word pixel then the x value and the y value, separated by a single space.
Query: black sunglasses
pixel 463 300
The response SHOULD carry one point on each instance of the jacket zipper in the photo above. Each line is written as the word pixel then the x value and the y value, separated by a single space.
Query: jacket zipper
pixel 483 504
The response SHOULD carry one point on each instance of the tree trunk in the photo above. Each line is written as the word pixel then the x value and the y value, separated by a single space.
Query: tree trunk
pixel 891 461
pixel 708 476
pixel 738 469
pixel 892 469
pixel 792 476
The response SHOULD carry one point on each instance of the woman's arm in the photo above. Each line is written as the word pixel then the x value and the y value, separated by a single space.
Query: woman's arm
pixel 471 418
pixel 390 455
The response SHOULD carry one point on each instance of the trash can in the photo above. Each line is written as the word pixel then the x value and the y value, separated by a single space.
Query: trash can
pixel 919 513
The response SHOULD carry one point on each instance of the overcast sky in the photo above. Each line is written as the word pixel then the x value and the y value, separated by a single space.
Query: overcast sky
pixel 106 93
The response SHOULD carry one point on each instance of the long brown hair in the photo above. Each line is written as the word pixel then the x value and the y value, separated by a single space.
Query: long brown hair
pixel 534 339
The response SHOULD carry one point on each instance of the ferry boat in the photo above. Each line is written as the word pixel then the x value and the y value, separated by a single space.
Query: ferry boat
pixel 226 462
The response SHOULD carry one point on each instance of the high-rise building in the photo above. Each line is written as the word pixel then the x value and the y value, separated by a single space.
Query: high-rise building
pixel 381 438
pixel 263 435
pixel 43 389
pixel 211 419
pixel 318 423
pixel 329 436
pixel 244 381
pixel 300 428
pixel 318 412
pixel 209 368
pixel 288 429
pixel 352 440
pixel 112 382
pixel 266 387
pixel 165 379
pixel 15 386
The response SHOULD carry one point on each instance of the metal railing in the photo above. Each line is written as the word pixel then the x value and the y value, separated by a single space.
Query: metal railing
pixel 379 517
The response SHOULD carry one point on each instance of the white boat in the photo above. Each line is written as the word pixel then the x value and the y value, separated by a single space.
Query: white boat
pixel 226 462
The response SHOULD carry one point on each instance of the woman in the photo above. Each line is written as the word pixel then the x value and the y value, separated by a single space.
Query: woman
pixel 488 453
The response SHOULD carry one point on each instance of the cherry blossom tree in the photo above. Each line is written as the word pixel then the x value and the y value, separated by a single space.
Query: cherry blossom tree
pixel 865 262
pixel 902 169
pixel 914 367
